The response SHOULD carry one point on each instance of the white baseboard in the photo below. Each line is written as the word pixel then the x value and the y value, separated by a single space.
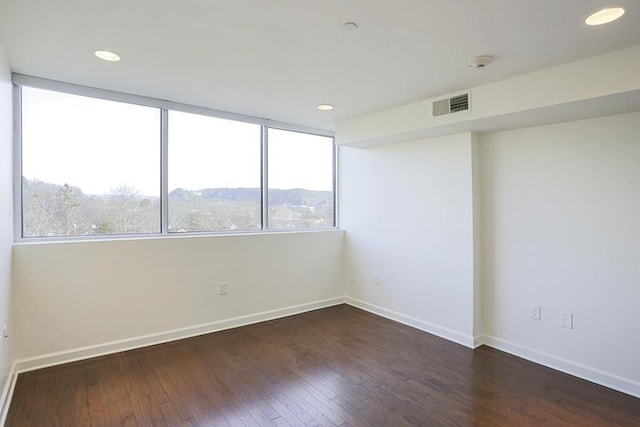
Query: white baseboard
pixel 593 375
pixel 588 373
pixel 479 341
pixel 448 334
pixel 7 393
pixel 61 357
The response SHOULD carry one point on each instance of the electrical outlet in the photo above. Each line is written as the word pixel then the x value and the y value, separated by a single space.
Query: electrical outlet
pixel 567 320
pixel 535 312
pixel 375 278
pixel 222 286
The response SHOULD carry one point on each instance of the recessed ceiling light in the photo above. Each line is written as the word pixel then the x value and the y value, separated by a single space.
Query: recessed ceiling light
pixel 325 107
pixel 107 56
pixel 604 16
pixel 350 26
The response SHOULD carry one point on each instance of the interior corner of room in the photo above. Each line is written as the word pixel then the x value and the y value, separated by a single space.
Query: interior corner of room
pixel 512 225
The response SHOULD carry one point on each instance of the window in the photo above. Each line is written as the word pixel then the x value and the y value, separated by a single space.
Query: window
pixel 300 180
pixel 214 174
pixel 89 166
pixel 98 163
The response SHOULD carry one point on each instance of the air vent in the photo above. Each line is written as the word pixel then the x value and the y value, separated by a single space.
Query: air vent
pixel 454 104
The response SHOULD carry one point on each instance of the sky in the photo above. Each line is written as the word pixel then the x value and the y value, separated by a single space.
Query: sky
pixel 99 145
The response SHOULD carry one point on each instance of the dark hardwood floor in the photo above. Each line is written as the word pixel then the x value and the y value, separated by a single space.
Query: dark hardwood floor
pixel 333 367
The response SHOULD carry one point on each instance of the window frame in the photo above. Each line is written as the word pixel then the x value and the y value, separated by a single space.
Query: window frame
pixel 20 80
pixel 259 141
pixel 265 187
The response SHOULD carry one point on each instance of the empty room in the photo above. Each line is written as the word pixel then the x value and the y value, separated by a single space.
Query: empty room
pixel 336 213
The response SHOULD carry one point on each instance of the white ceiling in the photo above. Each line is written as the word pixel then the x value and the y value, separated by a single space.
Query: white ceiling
pixel 279 59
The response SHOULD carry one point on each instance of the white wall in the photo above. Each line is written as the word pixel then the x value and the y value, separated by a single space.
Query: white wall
pixel 6 211
pixel 467 232
pixel 76 294
pixel 408 215
pixel 479 328
pixel 561 229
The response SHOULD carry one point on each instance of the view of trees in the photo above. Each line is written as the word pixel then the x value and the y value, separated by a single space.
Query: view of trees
pixel 64 210
pixel 300 208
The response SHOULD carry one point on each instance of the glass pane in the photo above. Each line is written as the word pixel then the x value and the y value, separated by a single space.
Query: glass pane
pixel 89 166
pixel 300 180
pixel 214 174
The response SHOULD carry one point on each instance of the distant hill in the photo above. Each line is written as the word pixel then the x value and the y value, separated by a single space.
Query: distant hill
pixel 59 210
pixel 292 197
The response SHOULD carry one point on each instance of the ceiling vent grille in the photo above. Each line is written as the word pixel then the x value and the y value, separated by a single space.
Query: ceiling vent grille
pixel 454 104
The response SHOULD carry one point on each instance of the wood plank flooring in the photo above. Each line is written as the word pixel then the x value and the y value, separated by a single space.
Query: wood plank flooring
pixel 338 366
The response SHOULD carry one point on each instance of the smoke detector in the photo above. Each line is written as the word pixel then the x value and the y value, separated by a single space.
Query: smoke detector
pixel 480 61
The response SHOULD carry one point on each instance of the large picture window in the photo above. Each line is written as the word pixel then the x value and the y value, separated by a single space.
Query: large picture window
pixel 300 180
pixel 89 166
pixel 105 164
pixel 214 174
